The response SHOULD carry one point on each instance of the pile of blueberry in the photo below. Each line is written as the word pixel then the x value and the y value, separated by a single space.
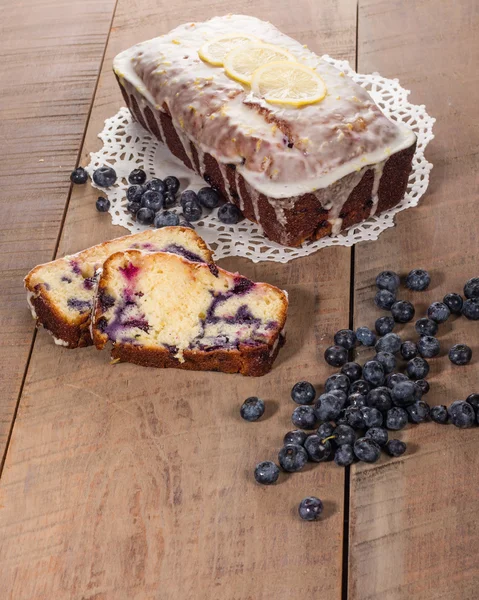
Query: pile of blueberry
pixel 148 201
pixel 361 405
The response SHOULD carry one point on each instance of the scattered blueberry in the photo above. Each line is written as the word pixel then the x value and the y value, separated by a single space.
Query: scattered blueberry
pixel 102 204
pixel 152 200
pixel 367 450
pixel 471 289
pixel 470 309
pixel 303 392
pixel 344 434
pixel 104 176
pixel 391 342
pixel 396 418
pixel 425 326
pixel 156 185
pixel 403 311
pixel 380 398
pixel 336 356
pixel 166 218
pixel 372 417
pixel 172 184
pixel 188 196
pixel 192 210
pixel 317 449
pixel 209 197
pixel 396 448
pixel 417 368
pixel 408 350
pixel 384 299
pixel 169 199
pixel 428 346
pixel 133 207
pixel 418 280
pixel 388 280
pixel 345 338
pixel 378 435
pixel 438 312
pixel 137 177
pixel 473 400
pixel 145 216
pixel 292 458
pixel 384 325
pixel 338 381
pixel 229 214
pixel 304 417
pixel 439 414
pixel 460 354
pixel 423 385
pixel 418 412
pixel 461 414
pixel 404 393
pixel 310 508
pixel 387 360
pixel 454 303
pixel 358 400
pixel 134 193
pixel 325 430
pixel 361 386
pixel 295 437
pixel 344 456
pixel 352 370
pixel 373 372
pixel 266 472
pixel 393 378
pixel 354 417
pixel 365 336
pixel 327 408
pixel 79 175
pixel 252 409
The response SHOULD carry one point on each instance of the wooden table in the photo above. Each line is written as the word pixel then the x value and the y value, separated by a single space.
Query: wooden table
pixel 125 483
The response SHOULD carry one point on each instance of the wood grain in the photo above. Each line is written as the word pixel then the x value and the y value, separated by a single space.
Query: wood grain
pixel 414 521
pixel 51 53
pixel 122 482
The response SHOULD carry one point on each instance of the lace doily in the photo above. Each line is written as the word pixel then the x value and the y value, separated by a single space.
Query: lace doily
pixel 126 146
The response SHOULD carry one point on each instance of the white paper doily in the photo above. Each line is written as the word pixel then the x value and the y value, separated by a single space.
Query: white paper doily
pixel 126 146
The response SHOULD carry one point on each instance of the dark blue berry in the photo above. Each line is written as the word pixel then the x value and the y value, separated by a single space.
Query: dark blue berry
pixel 338 381
pixel 137 177
pixel 470 309
pixel 418 412
pixel 295 437
pixel 102 204
pixel 310 508
pixel 387 360
pixel 462 414
pixel 292 458
pixel 229 214
pixel 396 418
pixel 425 326
pixel 428 346
pixel 340 395
pixel 471 288
pixel 169 199
pixel 104 176
pixel 372 417
pixel 153 200
pixel 473 400
pixel 325 430
pixel 388 280
pixel 303 392
pixel 358 400
pixel 352 370
pixel 133 207
pixel 79 176
pixel 417 368
pixel 184 223
pixel 384 325
pixel 438 312
pixel 365 336
pixel 418 280
pixel 423 385
pixel 384 299
pixel 403 311
pixel 209 197
pixel 460 354
pixel 344 434
pixel 172 184
pixel 345 338
pixel 408 350
pixel 165 218
pixel 396 448
pixel 336 356
pixel 354 417
pixel 378 435
pixel 391 342
pixel 304 417
pixel 439 414
pixel 380 398
pixel 393 378
pixel 328 407
pixel 266 472
pixel 134 193
pixel 361 386
pixel 156 185
pixel 404 393
pixel 454 303
pixel 252 409
pixel 373 372
pixel 366 450
pixel 145 216
pixel 188 196
pixel 344 456
pixel 192 210
pixel 317 449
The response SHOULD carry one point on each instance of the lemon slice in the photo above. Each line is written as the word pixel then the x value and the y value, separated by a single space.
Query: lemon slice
pixel 214 51
pixel 288 83
pixel 241 62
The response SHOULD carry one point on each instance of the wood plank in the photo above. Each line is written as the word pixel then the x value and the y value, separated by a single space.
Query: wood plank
pixel 51 52
pixel 123 482
pixel 414 521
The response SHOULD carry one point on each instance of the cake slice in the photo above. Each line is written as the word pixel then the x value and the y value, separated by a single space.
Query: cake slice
pixel 161 310
pixel 61 292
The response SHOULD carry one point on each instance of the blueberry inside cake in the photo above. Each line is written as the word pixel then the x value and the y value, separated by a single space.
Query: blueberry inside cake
pixel 61 292
pixel 164 311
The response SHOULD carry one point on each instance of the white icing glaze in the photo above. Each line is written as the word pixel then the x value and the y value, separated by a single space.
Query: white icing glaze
pixel 378 173
pixel 58 341
pixel 31 295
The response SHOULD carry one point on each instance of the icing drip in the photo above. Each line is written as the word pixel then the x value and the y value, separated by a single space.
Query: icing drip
pixel 226 182
pixel 238 191
pixel 378 172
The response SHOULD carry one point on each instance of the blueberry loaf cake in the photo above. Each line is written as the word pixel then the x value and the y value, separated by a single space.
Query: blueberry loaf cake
pixel 61 292
pixel 161 310
pixel 298 146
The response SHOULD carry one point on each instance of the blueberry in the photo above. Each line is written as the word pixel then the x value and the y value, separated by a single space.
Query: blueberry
pixel 418 412
pixel 438 312
pixel 317 449
pixel 295 437
pixel 304 417
pixel 384 325
pixel 425 326
pixel 169 199
pixel 423 385
pixel 133 207
pixel 418 280
pixel 428 346
pixel 344 456
pixel 404 393
pixel 354 417
pixel 396 418
pixel 366 450
pixel 358 400
pixel 336 356
pixel 137 177
pixel 229 214
pixel 310 508
pixel 391 342
pixel 417 368
pixel 292 458
pixel 345 338
pixel 394 378
pixel 408 350
pixel 373 372
pixel 387 360
pixel 352 370
pixel 104 176
pixel 192 210
pixel 339 394
pixel 378 435
pixel 338 381
pixel 152 200
pixel 327 408
pixel 134 193
pixel 365 336
pixel 380 398
pixel 396 448
pixel 166 218
pixel 209 197
pixel 470 309
pixel 252 409
pixel 361 386
pixel 344 434
pixel 172 184
pixel 266 472
pixel 403 311
pixel 473 400
pixel 102 204
pixel 188 196
pixel 184 223
pixel 439 414
pixel 303 392
pixel 388 280
pixel 471 289
pixel 79 175
pixel 372 417
pixel 325 430
pixel 156 185
pixel 145 216
pixel 384 299
pixel 454 303
pixel 461 414
pixel 460 354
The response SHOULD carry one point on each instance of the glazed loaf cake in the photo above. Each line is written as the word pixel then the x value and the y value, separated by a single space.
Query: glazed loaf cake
pixel 161 310
pixel 61 292
pixel 301 173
